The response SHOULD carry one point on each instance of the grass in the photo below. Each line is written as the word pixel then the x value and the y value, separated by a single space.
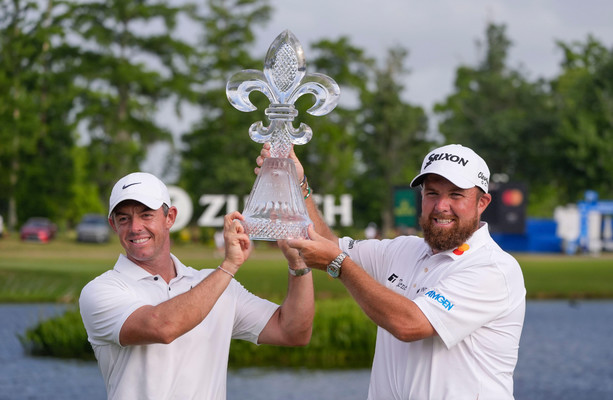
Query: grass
pixel 57 271
pixel 343 337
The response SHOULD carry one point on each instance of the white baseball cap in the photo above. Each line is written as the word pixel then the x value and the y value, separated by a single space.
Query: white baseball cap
pixel 142 187
pixel 456 163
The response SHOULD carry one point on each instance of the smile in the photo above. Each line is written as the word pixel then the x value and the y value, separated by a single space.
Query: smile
pixel 139 241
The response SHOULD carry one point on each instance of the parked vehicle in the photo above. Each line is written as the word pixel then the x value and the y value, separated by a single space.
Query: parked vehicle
pixel 38 229
pixel 94 228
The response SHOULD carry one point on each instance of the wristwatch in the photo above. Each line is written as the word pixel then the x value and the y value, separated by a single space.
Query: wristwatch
pixel 298 272
pixel 334 269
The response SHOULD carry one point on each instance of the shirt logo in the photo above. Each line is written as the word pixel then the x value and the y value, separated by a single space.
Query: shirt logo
pixel 130 184
pixel 392 278
pixel 460 250
pixel 352 242
pixel 441 299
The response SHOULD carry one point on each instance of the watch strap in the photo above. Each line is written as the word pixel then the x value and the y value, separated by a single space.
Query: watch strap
pixel 298 272
pixel 334 268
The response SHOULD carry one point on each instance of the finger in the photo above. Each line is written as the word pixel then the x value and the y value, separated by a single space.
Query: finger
pixel 234 215
pixel 244 241
pixel 297 244
pixel 238 227
pixel 312 234
pixel 265 151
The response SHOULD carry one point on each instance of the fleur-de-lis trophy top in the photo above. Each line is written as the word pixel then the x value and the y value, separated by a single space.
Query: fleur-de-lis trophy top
pixel 276 208
pixel 283 81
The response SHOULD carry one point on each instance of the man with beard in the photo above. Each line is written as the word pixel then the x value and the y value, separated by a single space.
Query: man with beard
pixel 449 307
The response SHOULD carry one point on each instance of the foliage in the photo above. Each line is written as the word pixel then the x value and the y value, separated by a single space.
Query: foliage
pixel 392 143
pixel 505 118
pixel 126 70
pixel 82 86
pixel 218 155
pixel 62 337
pixel 583 98
pixel 35 103
pixel 343 337
pixel 329 158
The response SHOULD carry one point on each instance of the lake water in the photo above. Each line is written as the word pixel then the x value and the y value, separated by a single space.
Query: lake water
pixel 565 353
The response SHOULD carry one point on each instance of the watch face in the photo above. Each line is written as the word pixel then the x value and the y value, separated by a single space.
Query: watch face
pixel 333 271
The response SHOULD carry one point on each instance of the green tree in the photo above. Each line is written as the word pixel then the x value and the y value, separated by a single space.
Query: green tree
pixel 35 126
pixel 392 141
pixel 330 155
pixel 130 62
pixel 583 97
pixel 508 120
pixel 218 155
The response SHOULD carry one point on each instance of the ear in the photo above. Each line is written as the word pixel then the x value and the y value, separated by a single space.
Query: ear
pixel 171 217
pixel 483 202
pixel 112 223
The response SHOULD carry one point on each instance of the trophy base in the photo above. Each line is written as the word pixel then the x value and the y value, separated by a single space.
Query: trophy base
pixel 264 229
pixel 275 208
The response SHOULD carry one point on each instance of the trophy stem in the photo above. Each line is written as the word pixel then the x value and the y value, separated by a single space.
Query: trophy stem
pixel 275 208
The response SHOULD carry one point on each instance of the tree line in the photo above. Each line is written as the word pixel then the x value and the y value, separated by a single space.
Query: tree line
pixel 82 85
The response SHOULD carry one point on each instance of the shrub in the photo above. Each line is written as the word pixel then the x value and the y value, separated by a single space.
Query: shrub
pixel 62 337
pixel 343 337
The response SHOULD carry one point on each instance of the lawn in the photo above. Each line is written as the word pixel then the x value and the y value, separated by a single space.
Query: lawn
pixel 342 335
pixel 57 271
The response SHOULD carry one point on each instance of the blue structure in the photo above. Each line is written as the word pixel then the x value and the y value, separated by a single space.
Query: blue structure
pixel 590 204
pixel 540 237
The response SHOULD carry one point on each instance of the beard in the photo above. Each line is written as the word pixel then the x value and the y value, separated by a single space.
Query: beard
pixel 443 239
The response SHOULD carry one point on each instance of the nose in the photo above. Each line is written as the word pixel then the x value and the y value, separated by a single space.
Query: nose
pixel 136 224
pixel 442 204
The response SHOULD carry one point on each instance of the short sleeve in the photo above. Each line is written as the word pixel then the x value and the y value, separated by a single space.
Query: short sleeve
pixel 105 305
pixel 465 301
pixel 252 313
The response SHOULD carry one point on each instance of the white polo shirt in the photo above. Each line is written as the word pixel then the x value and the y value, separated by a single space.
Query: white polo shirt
pixel 193 366
pixel 475 299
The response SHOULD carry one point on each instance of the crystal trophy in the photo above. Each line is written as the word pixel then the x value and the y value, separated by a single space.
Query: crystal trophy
pixel 275 208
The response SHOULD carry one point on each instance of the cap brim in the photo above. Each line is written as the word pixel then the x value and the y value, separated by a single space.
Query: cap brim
pixel 148 201
pixel 457 180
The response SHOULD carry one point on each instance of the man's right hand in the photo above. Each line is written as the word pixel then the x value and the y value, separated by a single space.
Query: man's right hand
pixel 238 245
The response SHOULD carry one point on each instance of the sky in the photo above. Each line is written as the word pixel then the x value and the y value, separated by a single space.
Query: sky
pixel 440 35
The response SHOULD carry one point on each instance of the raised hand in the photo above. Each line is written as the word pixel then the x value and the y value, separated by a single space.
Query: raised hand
pixel 237 243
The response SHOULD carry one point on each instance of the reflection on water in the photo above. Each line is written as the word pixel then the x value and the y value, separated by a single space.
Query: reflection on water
pixel 564 354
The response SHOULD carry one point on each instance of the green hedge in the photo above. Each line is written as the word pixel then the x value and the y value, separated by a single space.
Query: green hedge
pixel 343 337
pixel 63 336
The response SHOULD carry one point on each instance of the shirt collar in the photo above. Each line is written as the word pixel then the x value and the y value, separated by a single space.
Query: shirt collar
pixel 133 271
pixel 477 240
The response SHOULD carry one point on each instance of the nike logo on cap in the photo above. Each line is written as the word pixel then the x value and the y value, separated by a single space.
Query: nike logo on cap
pixel 130 184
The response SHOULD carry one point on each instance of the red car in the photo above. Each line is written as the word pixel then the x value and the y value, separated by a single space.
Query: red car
pixel 38 229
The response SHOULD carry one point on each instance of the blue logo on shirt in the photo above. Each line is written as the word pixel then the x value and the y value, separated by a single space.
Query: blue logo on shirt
pixel 441 299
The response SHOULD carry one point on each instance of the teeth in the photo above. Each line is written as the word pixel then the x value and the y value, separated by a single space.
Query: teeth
pixel 139 241
pixel 444 221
